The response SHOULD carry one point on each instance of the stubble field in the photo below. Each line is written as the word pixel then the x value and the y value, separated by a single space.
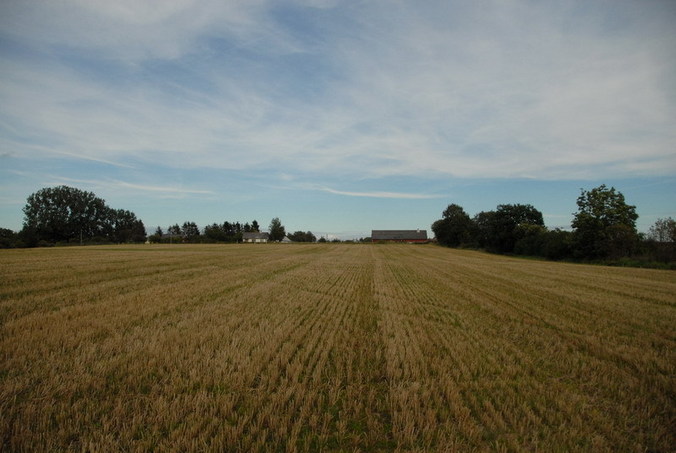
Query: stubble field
pixel 333 348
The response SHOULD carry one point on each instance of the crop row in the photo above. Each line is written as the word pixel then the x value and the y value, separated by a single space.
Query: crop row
pixel 303 348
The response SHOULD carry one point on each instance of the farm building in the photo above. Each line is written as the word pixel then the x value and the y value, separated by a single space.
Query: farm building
pixel 255 237
pixel 409 236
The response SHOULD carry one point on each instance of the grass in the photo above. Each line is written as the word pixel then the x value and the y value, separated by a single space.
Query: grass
pixel 331 347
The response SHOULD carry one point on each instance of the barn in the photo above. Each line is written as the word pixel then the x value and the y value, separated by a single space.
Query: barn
pixel 255 237
pixel 407 236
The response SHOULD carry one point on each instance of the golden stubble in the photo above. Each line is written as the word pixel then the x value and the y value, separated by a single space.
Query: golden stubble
pixel 331 347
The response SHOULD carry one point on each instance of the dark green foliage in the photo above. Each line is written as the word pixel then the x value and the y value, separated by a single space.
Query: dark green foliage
pixel 227 232
pixel 157 236
pixel 455 228
pixel 660 245
pixel 500 230
pixel 604 230
pixel 126 227
pixel 190 232
pixel 277 231
pixel 174 230
pixel 551 244
pixel 656 252
pixel 214 233
pixel 558 245
pixel 68 215
pixel 62 214
pixel 497 231
pixel 604 225
pixel 8 238
pixel 483 224
pixel 300 236
pixel 664 230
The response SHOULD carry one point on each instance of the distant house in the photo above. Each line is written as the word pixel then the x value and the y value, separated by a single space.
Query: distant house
pixel 407 236
pixel 255 237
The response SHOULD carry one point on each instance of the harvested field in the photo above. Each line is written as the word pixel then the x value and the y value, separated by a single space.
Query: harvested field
pixel 333 348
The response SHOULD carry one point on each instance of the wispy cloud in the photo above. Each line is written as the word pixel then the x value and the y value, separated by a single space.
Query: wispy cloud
pixel 377 194
pixel 131 31
pixel 116 184
pixel 11 201
pixel 162 189
pixel 370 90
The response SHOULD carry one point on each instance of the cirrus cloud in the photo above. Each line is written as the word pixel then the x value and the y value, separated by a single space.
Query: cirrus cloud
pixel 375 99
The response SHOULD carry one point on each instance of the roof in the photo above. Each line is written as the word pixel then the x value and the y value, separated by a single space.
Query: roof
pixel 255 236
pixel 399 235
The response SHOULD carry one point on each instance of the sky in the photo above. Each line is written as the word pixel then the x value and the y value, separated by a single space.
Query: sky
pixel 338 117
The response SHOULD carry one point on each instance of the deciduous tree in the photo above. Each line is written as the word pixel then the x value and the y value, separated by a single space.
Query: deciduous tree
pixel 604 225
pixel 664 230
pixel 300 236
pixel 500 230
pixel 455 228
pixel 126 227
pixel 67 214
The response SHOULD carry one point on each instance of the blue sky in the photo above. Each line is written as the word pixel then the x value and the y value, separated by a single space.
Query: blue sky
pixel 338 117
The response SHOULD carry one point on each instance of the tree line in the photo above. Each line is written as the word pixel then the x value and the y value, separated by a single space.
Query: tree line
pixel 226 232
pixel 66 215
pixel 189 232
pixel 603 228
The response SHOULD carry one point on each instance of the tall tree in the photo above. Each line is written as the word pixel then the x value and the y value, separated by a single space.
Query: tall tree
pixel 484 228
pixel 65 214
pixel 517 221
pixel 126 227
pixel 455 228
pixel 662 239
pixel 190 231
pixel 174 230
pixel 604 224
pixel 214 233
pixel 255 227
pixel 277 231
pixel 663 230
pixel 228 228
pixel 500 230
pixel 157 236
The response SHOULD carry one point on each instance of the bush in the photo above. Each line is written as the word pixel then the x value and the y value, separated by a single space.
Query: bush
pixel 8 238
pixel 553 245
